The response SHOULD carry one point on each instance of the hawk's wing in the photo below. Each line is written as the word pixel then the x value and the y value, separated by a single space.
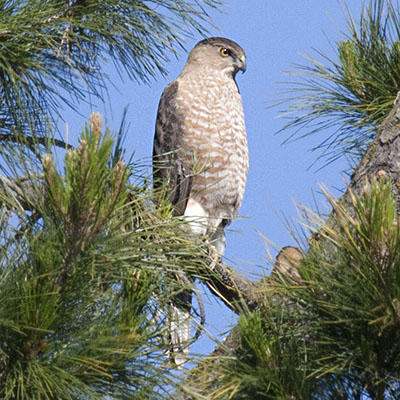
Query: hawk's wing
pixel 169 169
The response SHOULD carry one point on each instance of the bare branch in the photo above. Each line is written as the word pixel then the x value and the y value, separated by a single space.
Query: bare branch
pixel 232 288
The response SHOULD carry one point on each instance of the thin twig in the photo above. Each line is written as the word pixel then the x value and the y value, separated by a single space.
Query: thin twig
pixel 65 38
pixel 32 141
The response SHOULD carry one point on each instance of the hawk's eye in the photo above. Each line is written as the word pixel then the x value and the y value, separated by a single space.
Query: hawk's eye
pixel 224 52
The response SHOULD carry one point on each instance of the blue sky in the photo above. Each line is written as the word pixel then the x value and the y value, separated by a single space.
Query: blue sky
pixel 276 35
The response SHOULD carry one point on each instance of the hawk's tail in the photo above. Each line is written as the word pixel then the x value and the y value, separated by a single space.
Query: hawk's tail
pixel 179 334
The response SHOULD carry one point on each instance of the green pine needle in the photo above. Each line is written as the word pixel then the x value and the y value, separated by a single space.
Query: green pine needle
pixel 344 100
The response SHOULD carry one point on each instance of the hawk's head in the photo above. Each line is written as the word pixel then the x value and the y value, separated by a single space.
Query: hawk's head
pixel 220 53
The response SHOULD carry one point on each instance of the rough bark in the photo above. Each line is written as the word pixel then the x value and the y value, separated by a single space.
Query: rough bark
pixel 382 159
pixel 232 288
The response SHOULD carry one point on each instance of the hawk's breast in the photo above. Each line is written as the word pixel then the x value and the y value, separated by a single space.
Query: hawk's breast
pixel 214 142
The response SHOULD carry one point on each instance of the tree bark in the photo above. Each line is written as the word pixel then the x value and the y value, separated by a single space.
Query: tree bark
pixel 382 159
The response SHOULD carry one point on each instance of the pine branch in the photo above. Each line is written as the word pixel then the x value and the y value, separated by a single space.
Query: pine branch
pixel 231 288
pixel 31 142
pixel 47 20
pixel 81 286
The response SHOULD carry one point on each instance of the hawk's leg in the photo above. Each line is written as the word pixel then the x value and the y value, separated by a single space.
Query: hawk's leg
pixel 218 244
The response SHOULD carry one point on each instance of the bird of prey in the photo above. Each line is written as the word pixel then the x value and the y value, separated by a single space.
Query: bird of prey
pixel 200 152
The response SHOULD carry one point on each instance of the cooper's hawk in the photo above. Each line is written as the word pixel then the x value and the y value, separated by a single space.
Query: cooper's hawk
pixel 200 150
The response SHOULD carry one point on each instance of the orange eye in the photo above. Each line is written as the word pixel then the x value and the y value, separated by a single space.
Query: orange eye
pixel 224 52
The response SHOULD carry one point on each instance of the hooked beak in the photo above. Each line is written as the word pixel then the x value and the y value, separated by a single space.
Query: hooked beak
pixel 240 64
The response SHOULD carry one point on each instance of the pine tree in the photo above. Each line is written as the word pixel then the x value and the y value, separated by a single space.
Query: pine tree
pixel 89 264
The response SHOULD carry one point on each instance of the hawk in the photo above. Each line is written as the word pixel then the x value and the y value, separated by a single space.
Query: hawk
pixel 200 152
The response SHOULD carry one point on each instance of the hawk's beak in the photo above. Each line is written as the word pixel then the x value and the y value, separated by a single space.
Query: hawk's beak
pixel 241 63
